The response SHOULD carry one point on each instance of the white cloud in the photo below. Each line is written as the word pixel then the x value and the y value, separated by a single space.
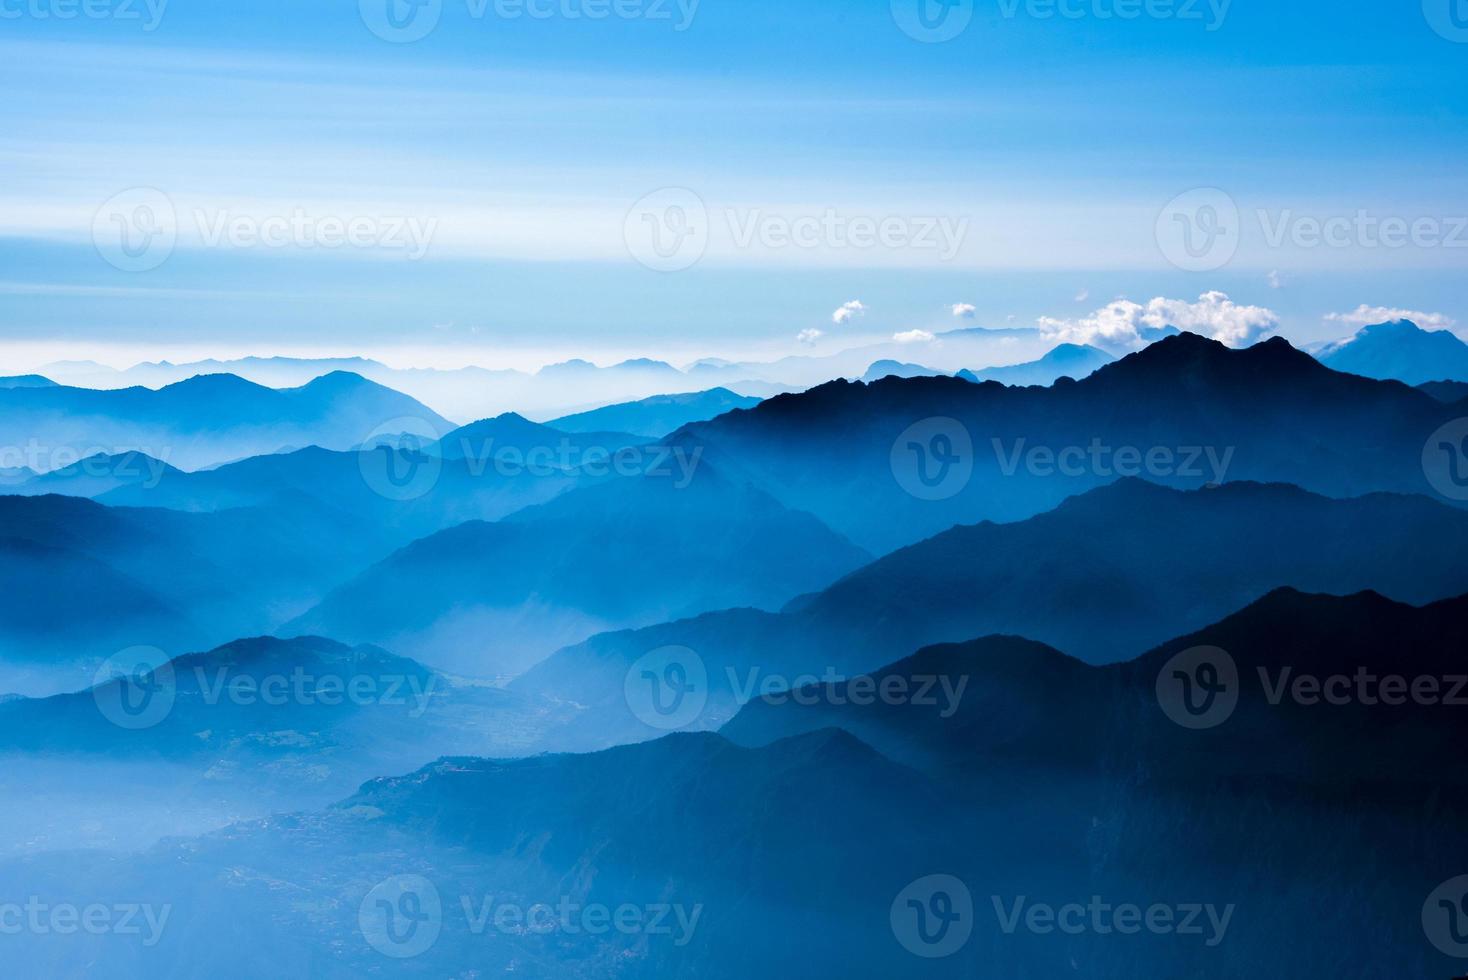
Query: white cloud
pixel 1083 295
pixel 1365 316
pixel 913 337
pixel 1125 325
pixel 1275 280
pixel 810 336
pixel 848 312
pixel 964 311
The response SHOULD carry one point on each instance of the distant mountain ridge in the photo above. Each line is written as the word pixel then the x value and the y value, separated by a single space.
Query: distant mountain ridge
pixel 1186 411
pixel 1400 350
pixel 657 416
pixel 205 420
pixel 1074 361
pixel 1103 576
pixel 494 598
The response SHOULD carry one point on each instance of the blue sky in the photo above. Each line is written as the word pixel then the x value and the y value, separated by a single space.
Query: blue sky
pixel 494 170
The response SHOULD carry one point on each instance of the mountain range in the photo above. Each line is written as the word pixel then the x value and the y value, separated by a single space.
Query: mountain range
pixel 1400 350
pixel 893 462
pixel 495 598
pixel 201 422
pixel 1104 575
pixel 1051 783
pixel 1074 361
pixel 657 416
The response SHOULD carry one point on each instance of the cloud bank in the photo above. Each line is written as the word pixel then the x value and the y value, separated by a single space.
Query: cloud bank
pixel 1126 326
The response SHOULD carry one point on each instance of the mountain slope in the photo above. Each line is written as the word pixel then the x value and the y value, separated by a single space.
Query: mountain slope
pixel 87 580
pixel 1104 575
pixel 495 598
pixel 252 726
pixel 204 420
pixel 1402 351
pixel 896 461
pixel 1075 361
pixel 657 416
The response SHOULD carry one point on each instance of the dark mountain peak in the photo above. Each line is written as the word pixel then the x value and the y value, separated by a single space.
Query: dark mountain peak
pixel 311 652
pixel 999 653
pixel 212 384
pixel 1187 360
pixel 338 381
